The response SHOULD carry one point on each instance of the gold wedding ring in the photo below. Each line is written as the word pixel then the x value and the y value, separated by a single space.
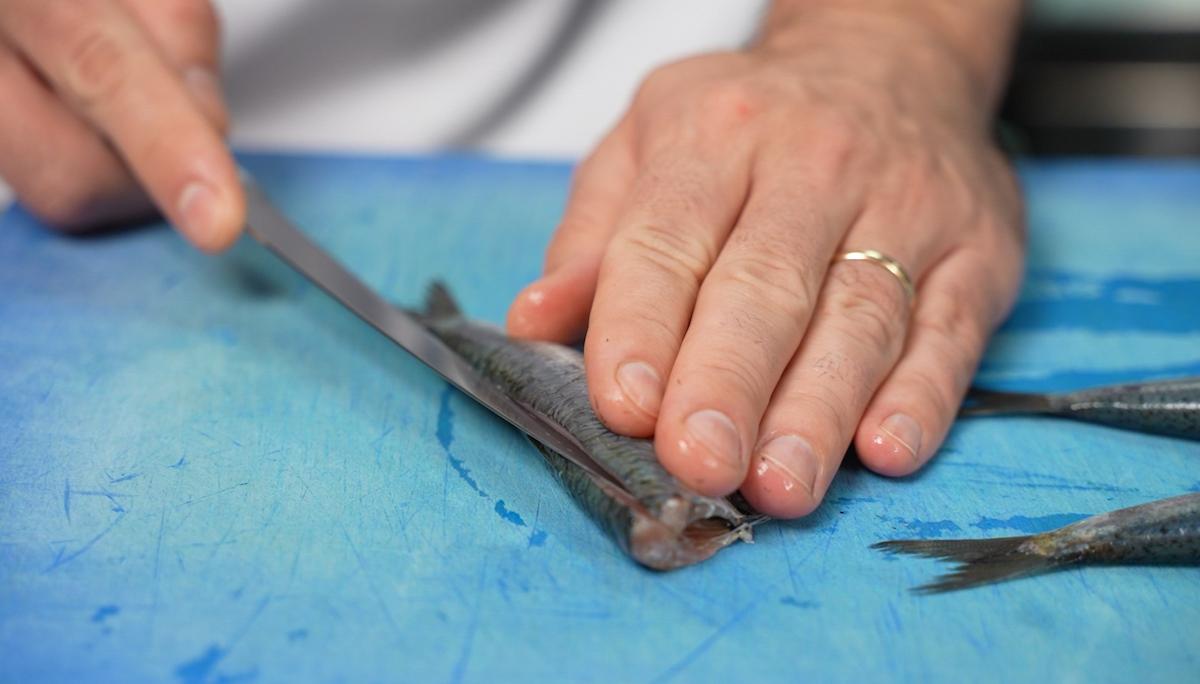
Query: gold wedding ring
pixel 888 263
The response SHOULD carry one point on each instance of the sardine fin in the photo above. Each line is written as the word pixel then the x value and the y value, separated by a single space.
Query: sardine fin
pixel 439 303
pixel 980 561
pixel 981 402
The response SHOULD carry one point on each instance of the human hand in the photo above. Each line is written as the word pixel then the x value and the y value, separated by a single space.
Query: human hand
pixel 112 106
pixel 698 246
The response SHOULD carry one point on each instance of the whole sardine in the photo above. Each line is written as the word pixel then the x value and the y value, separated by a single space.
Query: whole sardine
pixel 1166 407
pixel 1158 533
pixel 651 515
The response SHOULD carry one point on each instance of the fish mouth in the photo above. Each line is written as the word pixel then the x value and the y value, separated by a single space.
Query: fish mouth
pixel 676 538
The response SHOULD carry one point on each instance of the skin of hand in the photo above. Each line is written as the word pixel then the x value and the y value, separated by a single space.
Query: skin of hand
pixel 113 108
pixel 697 247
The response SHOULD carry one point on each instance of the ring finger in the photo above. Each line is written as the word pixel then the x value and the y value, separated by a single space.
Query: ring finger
pixel 855 339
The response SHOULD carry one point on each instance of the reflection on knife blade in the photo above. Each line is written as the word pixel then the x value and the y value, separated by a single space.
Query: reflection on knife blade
pixel 539 388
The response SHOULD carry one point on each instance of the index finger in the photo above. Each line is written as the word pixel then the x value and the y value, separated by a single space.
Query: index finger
pixel 96 56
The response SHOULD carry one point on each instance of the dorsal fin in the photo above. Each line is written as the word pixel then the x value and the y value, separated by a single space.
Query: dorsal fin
pixel 439 303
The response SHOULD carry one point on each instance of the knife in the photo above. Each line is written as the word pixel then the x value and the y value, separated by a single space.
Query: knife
pixel 266 224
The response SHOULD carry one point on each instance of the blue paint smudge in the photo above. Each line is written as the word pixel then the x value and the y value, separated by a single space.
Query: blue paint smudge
pixel 445 437
pixel 1032 525
pixel 924 528
pixel 104 612
pixel 297 634
pixel 1194 488
pixel 197 670
pixel 538 538
pixel 511 516
pixel 797 603
pixel 180 463
pixel 445 419
pixel 225 336
pixel 247 676
pixel 1057 300
pixel 855 500
pixel 124 478
pixel 464 473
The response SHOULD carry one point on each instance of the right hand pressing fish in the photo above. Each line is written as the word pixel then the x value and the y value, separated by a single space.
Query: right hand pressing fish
pixel 112 108
pixel 700 247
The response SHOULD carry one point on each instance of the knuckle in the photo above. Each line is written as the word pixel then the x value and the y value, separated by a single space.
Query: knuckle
pixel 61 203
pixel 670 251
pixel 96 65
pixel 870 304
pixel 773 279
pixel 647 323
pixel 71 193
pixel 806 406
pixel 737 372
pixel 954 323
pixel 836 141
pixel 933 386
pixel 658 83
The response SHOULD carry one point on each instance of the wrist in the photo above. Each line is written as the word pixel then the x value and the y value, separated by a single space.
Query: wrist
pixel 966 45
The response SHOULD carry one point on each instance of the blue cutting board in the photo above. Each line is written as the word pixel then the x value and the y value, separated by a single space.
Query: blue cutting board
pixel 210 472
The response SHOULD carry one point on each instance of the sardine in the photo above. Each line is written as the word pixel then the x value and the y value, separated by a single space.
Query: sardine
pixel 1165 407
pixel 1164 532
pixel 651 515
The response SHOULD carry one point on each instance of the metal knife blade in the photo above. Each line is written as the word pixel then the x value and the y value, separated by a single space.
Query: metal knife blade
pixel 270 227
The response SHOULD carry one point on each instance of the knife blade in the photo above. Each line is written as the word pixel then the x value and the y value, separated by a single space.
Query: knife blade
pixel 270 227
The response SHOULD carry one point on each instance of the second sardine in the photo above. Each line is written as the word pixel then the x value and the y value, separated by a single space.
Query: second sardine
pixel 1165 407
pixel 1156 533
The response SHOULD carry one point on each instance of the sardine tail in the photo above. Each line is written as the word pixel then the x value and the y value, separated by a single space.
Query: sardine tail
pixel 439 303
pixel 981 402
pixel 980 561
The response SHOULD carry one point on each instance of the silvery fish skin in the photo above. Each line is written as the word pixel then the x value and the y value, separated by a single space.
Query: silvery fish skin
pixel 651 515
pixel 1165 407
pixel 1164 532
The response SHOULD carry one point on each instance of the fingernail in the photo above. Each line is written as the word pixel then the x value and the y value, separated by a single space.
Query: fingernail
pixel 717 435
pixel 641 385
pixel 793 457
pixel 197 208
pixel 904 430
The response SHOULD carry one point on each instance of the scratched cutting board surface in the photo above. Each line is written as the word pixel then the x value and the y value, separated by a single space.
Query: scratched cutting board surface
pixel 211 472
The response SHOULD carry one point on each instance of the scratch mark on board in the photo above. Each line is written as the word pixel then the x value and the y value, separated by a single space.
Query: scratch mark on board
pixel 62 559
pixel 537 537
pixel 67 499
pixel 464 656
pixel 679 666
pixel 362 565
pixel 212 494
